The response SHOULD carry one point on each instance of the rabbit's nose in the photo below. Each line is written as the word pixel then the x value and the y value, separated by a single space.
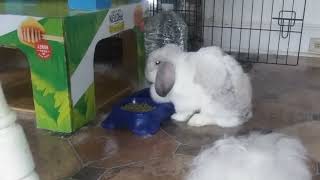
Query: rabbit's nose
pixel 148 83
pixel 148 78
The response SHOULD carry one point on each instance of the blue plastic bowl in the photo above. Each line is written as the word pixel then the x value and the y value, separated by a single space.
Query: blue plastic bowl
pixel 140 123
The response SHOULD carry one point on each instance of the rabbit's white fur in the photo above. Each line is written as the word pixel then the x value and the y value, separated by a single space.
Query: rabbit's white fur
pixel 210 87
pixel 256 157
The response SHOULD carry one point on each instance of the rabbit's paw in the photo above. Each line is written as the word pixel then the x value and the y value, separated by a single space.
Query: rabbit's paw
pixel 199 120
pixel 228 122
pixel 180 117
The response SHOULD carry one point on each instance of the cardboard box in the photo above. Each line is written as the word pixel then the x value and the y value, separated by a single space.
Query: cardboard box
pixel 98 4
pixel 89 4
pixel 59 44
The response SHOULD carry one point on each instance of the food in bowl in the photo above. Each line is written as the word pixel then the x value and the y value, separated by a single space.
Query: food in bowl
pixel 137 107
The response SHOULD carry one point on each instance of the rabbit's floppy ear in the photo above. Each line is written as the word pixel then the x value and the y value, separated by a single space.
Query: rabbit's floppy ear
pixel 165 78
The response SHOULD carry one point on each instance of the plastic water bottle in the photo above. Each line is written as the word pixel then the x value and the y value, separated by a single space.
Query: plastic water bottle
pixel 164 28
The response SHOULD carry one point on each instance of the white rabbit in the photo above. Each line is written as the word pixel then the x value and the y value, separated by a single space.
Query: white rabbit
pixel 257 156
pixel 206 87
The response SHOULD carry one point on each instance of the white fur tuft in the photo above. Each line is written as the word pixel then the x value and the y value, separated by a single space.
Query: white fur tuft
pixel 255 157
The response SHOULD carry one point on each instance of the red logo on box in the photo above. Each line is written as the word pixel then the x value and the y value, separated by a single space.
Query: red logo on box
pixel 43 49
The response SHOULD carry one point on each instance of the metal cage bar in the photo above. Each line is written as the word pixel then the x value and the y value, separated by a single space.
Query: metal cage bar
pixel 255 31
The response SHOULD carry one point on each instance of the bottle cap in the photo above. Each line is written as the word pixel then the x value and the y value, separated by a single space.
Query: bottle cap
pixel 167 7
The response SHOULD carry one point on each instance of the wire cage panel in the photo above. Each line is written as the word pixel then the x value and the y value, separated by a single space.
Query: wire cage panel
pixel 259 31
pixel 192 12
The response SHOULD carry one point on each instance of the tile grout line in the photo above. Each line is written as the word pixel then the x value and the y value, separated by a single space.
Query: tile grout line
pixel 177 148
pixel 125 165
pixel 175 140
pixel 101 176
pixel 131 164
pixel 76 153
pixel 317 173
pixel 121 166
pixel 171 136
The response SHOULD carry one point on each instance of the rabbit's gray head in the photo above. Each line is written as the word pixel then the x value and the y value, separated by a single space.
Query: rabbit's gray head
pixel 168 53
pixel 160 68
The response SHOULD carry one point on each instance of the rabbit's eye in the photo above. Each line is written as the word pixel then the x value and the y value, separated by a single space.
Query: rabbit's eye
pixel 157 62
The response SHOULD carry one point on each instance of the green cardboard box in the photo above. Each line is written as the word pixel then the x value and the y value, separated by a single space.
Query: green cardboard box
pixel 59 45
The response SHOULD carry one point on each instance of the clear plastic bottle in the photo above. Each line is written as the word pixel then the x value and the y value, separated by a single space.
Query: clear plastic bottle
pixel 164 28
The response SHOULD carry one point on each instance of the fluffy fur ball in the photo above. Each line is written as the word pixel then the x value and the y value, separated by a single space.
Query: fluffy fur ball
pixel 256 156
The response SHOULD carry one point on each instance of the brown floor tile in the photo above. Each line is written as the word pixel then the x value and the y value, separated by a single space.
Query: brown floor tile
pixel 196 136
pixel 281 80
pixel 309 134
pixel 54 157
pixel 188 150
pixel 88 173
pixel 103 148
pixel 316 177
pixel 275 115
pixel 173 168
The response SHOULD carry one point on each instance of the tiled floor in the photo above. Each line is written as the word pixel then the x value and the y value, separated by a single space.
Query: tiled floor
pixel 286 99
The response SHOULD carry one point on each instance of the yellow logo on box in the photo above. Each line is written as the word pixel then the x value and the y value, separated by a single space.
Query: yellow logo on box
pixel 116 27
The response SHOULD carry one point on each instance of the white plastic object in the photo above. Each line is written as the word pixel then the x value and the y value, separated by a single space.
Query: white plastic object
pixel 16 161
pixel 7 117
pixel 167 7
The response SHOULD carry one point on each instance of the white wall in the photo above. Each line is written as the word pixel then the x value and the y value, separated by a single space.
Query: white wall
pixel 312 23
pixel 311 26
pixel 313 12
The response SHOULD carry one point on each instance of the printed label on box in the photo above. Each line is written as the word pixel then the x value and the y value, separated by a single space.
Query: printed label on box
pixel 116 21
pixel 43 50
